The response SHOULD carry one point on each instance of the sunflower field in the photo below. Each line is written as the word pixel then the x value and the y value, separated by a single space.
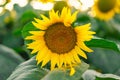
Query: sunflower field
pixel 59 39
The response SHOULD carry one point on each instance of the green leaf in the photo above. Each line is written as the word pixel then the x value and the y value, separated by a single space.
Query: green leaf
pixel 30 71
pixel 62 75
pixel 9 59
pixel 28 27
pixel 25 32
pixel 103 43
pixel 93 75
pixel 27 16
pixel 82 18
pixel 99 78
pixel 105 60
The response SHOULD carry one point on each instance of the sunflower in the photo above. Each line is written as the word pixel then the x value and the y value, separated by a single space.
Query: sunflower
pixel 45 1
pixel 105 9
pixel 58 42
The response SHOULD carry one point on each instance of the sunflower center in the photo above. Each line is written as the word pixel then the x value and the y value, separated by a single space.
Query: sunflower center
pixel 106 5
pixel 60 39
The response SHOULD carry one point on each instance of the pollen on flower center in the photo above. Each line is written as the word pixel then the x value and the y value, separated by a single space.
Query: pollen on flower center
pixel 60 39
pixel 106 5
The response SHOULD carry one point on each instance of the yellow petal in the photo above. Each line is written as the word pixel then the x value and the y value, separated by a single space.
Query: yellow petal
pixel 71 56
pixel 34 37
pixel 32 45
pixel 73 17
pixel 67 59
pixel 61 60
pixel 39 21
pixel 41 33
pixel 72 71
pixel 63 13
pixel 54 16
pixel 46 59
pixel 76 58
pixel 84 47
pixel 39 46
pixel 80 52
pixel 41 55
pixel 54 60
pixel 36 49
pixel 84 35
pixel 36 25
pixel 69 19
pixel 85 27
pixel 44 17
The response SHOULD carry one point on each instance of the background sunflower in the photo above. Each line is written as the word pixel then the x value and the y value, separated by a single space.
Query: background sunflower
pixel 46 1
pixel 105 9
pixel 71 60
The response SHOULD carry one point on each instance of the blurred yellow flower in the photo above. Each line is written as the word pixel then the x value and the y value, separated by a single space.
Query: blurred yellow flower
pixel 45 1
pixel 58 42
pixel 8 1
pixel 105 9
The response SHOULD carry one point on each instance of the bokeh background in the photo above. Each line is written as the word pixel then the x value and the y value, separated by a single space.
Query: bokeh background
pixel 14 14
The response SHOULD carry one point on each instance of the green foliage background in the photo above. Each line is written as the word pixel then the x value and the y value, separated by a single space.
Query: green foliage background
pixel 102 64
